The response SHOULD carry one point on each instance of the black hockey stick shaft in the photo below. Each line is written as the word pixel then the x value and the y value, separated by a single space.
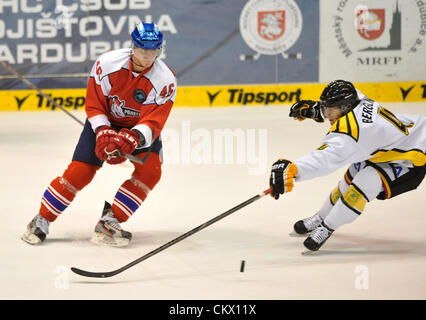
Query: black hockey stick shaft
pixel 134 158
pixel 34 87
pixel 144 159
pixel 172 242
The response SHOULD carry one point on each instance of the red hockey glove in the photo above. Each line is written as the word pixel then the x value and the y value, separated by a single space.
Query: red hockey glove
pixel 105 142
pixel 281 179
pixel 126 141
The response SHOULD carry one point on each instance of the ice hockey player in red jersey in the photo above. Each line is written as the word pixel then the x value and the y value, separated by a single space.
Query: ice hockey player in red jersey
pixel 385 151
pixel 129 97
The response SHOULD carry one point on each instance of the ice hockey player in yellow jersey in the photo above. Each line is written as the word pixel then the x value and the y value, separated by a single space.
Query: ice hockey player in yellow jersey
pixel 385 151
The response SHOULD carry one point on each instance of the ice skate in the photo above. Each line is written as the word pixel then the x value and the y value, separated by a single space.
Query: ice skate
pixel 318 237
pixel 307 225
pixel 37 230
pixel 108 231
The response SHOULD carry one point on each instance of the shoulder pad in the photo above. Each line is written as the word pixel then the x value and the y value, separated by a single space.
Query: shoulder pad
pixel 113 60
pixel 348 125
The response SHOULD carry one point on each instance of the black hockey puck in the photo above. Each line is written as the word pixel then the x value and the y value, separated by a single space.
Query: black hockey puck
pixel 243 263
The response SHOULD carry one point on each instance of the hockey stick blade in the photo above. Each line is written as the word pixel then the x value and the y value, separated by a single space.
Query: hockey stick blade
pixel 170 243
pixel 94 274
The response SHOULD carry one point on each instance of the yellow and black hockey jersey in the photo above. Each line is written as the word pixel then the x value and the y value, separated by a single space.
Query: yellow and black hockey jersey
pixel 368 132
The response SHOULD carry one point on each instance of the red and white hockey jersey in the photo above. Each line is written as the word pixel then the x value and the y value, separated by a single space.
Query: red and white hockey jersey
pixel 116 95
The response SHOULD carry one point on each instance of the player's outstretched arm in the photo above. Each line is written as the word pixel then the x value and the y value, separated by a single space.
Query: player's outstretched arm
pixel 304 109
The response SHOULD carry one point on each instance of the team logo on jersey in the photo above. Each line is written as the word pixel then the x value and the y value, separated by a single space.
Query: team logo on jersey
pixel 139 96
pixel 270 26
pixel 370 23
pixel 119 109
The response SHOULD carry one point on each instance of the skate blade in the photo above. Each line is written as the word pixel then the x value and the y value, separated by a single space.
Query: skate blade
pixel 31 238
pixel 297 235
pixel 308 252
pixel 103 239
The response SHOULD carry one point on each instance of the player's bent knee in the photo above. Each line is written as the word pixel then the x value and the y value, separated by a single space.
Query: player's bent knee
pixel 149 173
pixel 343 186
pixel 79 174
pixel 338 191
pixel 365 187
pixel 368 181
pixel 335 195
pixel 355 199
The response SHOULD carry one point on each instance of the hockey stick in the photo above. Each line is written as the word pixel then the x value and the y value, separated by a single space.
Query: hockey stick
pixel 134 158
pixel 34 87
pixel 172 242
pixel 117 153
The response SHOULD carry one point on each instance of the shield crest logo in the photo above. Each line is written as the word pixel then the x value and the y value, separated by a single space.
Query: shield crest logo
pixel 271 24
pixel 370 23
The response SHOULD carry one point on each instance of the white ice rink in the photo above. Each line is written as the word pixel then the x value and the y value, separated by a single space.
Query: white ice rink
pixel 382 255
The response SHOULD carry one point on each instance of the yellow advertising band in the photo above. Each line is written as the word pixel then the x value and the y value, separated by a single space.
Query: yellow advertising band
pixel 221 95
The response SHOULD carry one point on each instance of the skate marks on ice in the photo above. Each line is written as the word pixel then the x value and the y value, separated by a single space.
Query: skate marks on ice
pixel 216 255
pixel 353 247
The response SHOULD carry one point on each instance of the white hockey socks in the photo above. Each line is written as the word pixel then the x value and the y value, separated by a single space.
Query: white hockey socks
pixel 339 215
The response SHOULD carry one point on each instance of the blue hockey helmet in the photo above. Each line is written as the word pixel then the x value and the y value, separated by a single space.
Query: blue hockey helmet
pixel 147 36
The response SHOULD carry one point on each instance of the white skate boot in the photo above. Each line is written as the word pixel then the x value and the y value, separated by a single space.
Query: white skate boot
pixel 307 225
pixel 108 231
pixel 37 230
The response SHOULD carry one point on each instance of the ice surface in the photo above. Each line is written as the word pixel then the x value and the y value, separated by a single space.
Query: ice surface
pixel 382 255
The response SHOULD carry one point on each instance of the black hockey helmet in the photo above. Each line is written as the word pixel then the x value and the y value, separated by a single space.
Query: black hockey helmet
pixel 339 93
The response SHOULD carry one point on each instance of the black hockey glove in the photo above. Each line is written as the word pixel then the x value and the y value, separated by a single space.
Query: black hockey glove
pixel 306 109
pixel 282 177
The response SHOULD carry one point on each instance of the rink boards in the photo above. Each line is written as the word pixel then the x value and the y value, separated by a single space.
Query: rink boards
pixel 220 96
